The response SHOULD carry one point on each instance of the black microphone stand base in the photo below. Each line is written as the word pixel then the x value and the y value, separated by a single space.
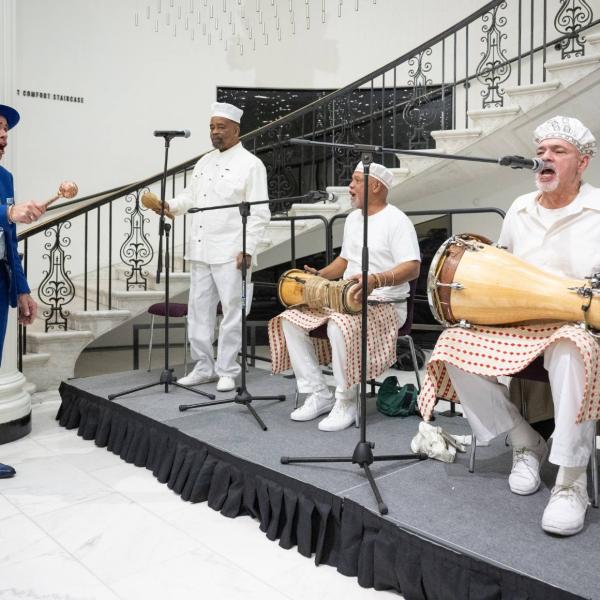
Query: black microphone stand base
pixel 166 378
pixel 364 458
pixel 242 396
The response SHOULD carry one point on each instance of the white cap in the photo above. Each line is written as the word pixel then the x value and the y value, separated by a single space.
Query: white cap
pixel 569 129
pixel 379 172
pixel 229 111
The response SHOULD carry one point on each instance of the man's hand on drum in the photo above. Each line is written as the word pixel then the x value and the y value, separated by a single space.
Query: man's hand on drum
pixel 356 290
pixel 238 260
pixel 311 270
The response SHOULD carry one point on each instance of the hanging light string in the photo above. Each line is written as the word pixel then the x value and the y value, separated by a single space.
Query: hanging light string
pixel 235 23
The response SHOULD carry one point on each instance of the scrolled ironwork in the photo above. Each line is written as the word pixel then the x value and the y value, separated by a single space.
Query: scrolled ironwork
pixel 418 113
pixel 494 68
pixel 136 251
pixel 571 18
pixel 56 289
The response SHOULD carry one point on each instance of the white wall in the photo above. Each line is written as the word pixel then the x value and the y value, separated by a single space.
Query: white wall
pixel 135 80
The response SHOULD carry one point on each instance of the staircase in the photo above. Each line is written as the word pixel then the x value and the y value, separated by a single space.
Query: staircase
pixel 568 86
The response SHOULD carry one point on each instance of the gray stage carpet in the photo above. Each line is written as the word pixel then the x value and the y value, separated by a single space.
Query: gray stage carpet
pixel 474 514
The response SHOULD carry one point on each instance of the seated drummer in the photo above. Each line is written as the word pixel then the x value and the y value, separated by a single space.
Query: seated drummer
pixel 394 260
pixel 555 228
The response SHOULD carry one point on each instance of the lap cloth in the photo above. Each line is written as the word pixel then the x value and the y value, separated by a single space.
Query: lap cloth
pixel 382 332
pixel 495 351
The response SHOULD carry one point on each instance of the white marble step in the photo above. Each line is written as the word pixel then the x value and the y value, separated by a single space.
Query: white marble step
pixel 414 163
pixel 570 70
pixel 491 119
pixel 594 40
pixel 453 140
pixel 532 95
pixel 63 348
pixel 97 321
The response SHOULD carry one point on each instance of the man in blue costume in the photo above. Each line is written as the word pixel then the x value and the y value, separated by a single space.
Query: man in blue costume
pixel 14 290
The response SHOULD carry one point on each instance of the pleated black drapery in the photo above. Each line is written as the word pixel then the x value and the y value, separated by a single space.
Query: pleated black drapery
pixel 337 531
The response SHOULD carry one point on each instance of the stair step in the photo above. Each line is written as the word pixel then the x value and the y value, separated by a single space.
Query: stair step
pixel 452 140
pixel 326 210
pixel 414 163
pixel 571 70
pixel 97 321
pixel 531 95
pixel 400 174
pixel 594 40
pixel 490 119
pixel 33 360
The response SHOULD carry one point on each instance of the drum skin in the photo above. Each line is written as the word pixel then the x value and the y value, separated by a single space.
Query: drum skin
pixel 501 289
pixel 291 292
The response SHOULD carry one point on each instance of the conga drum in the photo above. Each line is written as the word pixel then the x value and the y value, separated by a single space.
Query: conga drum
pixel 299 288
pixel 471 281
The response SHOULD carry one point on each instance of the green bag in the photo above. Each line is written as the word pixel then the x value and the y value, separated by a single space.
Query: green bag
pixel 396 401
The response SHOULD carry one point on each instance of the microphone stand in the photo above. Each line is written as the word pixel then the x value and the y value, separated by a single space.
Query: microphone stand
pixel 242 396
pixel 164 229
pixel 363 452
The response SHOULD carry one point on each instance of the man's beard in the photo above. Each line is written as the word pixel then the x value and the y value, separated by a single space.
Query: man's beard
pixel 549 186
pixel 354 201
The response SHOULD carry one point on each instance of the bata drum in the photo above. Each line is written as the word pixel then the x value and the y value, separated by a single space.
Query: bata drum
pixel 471 281
pixel 299 288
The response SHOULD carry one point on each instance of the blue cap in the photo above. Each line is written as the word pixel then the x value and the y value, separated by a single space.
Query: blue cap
pixel 10 114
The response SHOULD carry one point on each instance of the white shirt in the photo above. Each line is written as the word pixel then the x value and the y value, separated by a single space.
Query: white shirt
pixel 392 240
pixel 219 178
pixel 566 243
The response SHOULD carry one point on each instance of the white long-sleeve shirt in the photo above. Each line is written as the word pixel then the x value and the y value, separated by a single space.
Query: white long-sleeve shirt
pixel 220 178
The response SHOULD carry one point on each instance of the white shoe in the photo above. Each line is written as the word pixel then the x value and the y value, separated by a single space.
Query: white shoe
pixel 342 415
pixel 226 384
pixel 524 478
pixel 565 512
pixel 314 406
pixel 194 377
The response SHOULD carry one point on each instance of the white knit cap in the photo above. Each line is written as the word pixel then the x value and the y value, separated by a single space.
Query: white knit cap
pixel 569 129
pixel 379 172
pixel 229 111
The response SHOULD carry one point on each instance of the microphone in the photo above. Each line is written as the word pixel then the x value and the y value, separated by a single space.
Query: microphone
pixel 318 195
pixel 519 162
pixel 171 134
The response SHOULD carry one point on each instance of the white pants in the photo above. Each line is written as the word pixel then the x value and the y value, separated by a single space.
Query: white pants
pixel 489 411
pixel 208 285
pixel 304 360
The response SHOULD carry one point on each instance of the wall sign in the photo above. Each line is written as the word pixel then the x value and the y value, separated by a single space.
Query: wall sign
pixel 50 96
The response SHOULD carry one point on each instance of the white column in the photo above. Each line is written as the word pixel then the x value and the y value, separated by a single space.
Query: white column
pixel 15 402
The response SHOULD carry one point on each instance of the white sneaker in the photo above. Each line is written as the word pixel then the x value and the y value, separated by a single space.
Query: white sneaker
pixel 342 415
pixel 194 377
pixel 565 512
pixel 226 384
pixel 314 406
pixel 524 478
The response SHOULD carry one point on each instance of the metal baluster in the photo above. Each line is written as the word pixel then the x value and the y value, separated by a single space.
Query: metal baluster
pixel 544 41
pixel 110 212
pixel 302 174
pixel 394 144
pixel 467 84
pixel 293 242
pixel 531 41
pixel 371 114
pixel 98 260
pixel 454 87
pixel 313 153
pixel 85 262
pixel 519 43
pixel 382 142
pixel 443 119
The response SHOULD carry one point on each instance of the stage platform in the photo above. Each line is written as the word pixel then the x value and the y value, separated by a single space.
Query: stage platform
pixel 449 534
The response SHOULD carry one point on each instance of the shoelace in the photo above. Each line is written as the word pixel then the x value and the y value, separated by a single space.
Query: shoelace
pixel 572 491
pixel 520 455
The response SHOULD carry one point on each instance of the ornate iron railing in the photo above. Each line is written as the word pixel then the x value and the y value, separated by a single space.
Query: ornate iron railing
pixel 431 87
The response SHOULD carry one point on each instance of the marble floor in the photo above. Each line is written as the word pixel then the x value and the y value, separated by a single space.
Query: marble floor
pixel 79 523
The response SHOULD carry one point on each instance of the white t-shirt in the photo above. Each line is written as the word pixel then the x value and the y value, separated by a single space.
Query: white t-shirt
pixel 564 242
pixel 392 240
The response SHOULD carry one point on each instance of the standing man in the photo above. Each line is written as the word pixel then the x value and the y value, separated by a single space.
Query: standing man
pixel 556 229
pixel 14 290
pixel 227 175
